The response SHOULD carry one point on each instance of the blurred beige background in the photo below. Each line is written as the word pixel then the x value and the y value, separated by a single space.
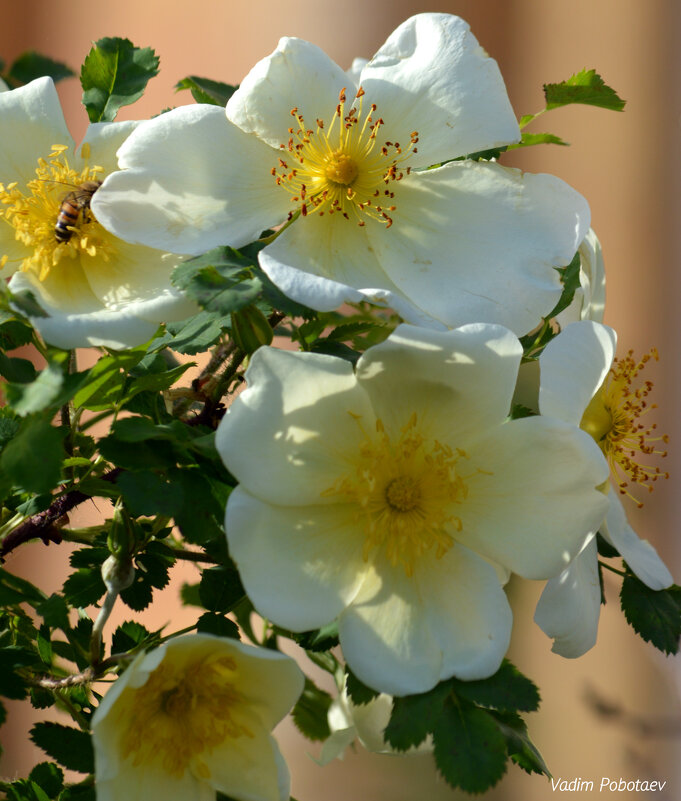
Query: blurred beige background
pixel 628 167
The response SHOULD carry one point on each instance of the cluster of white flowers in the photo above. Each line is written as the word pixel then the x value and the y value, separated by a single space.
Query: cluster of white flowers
pixel 398 496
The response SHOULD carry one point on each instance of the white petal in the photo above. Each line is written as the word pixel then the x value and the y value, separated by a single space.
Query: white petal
pixel 570 605
pixel 589 300
pixel 104 139
pixel 433 77
pixel 477 242
pixel 146 782
pixel 324 262
pixel 458 381
pixel 639 554
pixel 297 74
pixel 467 611
pixel 534 502
pixel 190 181
pixel 137 274
pixel 335 745
pixel 83 326
pixel 385 637
pixel 246 767
pixel 301 415
pixel 358 64
pixel 573 367
pixel 314 562
pixel 31 121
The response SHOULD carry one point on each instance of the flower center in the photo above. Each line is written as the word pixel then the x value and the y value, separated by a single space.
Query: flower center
pixel 613 419
pixel 53 219
pixel 181 713
pixel 343 168
pixel 405 490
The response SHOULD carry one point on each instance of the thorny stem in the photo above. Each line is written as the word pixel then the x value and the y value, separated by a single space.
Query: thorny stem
pixel 45 525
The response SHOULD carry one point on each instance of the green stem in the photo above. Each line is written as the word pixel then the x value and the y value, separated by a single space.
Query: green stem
pixel 266 240
pixel 613 569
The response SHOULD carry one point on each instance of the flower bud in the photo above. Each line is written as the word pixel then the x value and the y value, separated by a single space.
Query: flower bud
pixel 250 329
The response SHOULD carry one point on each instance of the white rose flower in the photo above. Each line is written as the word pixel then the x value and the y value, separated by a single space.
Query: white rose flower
pixel 584 384
pixel 194 716
pixel 464 242
pixel 398 498
pixel 589 300
pixel 364 722
pixel 97 289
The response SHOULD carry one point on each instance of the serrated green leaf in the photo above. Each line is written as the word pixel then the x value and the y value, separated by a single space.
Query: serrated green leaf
pixel 151 573
pixel 655 615
pixel 339 349
pixel 103 385
pixel 531 139
pixel 49 777
pixel 54 612
pixel 41 698
pixel 322 639
pixel 70 747
pixel 84 587
pixel 206 91
pixel 220 589
pixel 9 425
pixel 193 335
pixel 127 636
pixel 585 86
pixel 219 625
pixel 78 792
pixel 519 746
pixel 469 748
pixel 115 73
pixel 33 456
pixel 507 690
pixel 13 333
pixel 44 646
pixel 189 595
pixel 414 717
pixel 37 395
pixel 31 65
pixel 12 685
pixel 310 712
pixel 359 693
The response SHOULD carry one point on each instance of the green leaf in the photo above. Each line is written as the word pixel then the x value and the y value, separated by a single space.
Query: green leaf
pixel 202 519
pixel 18 370
pixel 310 712
pixel 84 587
pixel 15 590
pixel 469 748
pixel 586 87
pixel 128 636
pixel 507 690
pixel 13 333
pixel 146 493
pixel 70 747
pixel 531 139
pixel 33 457
pixel 359 693
pixel 220 589
pixel 220 281
pixel 103 386
pixel 518 744
pixel 54 612
pixel 219 625
pixel 78 792
pixel 206 91
pixel 151 572
pixel 189 594
pixel 605 549
pixel 114 74
pixel 27 398
pixel 25 303
pixel 655 615
pixel 322 639
pixel 193 335
pixel 12 685
pixel 414 717
pixel 9 425
pixel 48 776
pixel 31 65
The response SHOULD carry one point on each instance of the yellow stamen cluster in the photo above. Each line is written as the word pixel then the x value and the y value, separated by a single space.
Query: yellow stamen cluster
pixel 404 489
pixel 33 213
pixel 181 713
pixel 613 418
pixel 343 169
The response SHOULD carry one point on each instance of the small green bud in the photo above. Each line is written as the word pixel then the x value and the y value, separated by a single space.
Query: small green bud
pixel 250 329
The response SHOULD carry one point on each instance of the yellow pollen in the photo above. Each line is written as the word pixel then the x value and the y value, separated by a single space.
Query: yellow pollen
pixel 340 168
pixel 405 489
pixel 343 168
pixel 613 419
pixel 182 713
pixel 33 212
